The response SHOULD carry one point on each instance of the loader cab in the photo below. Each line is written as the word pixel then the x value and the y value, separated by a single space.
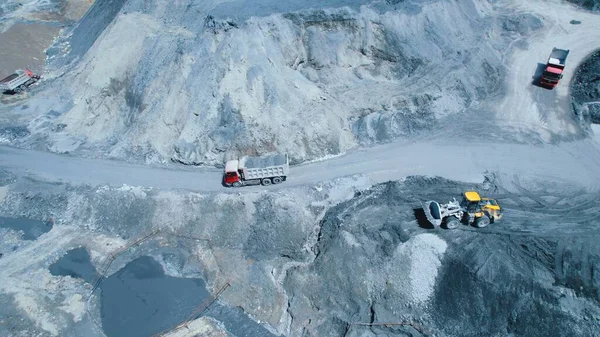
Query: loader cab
pixel 491 207
pixel 490 203
pixel 477 207
pixel 470 202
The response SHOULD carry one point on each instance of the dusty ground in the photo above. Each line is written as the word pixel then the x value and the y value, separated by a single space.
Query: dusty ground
pixel 342 246
pixel 57 11
pixel 28 28
pixel 314 261
pixel 23 46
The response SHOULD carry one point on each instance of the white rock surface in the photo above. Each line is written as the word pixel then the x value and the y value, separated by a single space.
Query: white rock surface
pixel 419 258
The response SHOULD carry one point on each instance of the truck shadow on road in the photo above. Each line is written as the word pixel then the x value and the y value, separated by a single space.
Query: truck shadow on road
pixel 223 183
pixel 422 219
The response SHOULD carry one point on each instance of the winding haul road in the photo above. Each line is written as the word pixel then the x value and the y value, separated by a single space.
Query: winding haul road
pixel 575 162
pixel 525 107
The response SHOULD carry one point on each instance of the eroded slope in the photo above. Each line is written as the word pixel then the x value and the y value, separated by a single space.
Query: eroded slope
pixel 196 83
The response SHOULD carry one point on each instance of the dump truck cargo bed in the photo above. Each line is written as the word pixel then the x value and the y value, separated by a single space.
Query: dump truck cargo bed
pixel 263 167
pixel 18 81
pixel 558 56
pixel 262 162
pixel 9 78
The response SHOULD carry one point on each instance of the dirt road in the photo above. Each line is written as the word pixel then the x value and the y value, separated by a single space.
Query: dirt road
pixel 576 162
pixel 525 106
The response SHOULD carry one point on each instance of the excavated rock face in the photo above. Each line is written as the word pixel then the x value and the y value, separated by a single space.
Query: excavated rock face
pixel 585 90
pixel 198 84
pixel 587 4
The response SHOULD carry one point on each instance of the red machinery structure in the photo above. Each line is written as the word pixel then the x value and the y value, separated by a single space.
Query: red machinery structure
pixel 553 72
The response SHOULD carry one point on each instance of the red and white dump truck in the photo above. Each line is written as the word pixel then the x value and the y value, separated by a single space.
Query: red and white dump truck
pixel 265 170
pixel 553 72
pixel 19 81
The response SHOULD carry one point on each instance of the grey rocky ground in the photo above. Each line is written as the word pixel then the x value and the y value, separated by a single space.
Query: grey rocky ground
pixel 316 261
pixel 477 282
pixel 196 82
pixel 587 4
pixel 585 90
pixel 248 241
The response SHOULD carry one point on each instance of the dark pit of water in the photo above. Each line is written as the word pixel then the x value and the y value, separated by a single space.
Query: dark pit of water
pixel 140 300
pixel 32 229
pixel 76 263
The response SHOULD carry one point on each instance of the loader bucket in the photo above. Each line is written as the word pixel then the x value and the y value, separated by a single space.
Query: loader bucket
pixel 432 212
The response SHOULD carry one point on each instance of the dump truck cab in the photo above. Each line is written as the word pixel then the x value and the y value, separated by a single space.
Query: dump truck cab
pixel 551 76
pixel 555 66
pixel 232 173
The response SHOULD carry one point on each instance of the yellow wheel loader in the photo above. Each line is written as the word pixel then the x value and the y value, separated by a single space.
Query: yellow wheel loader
pixel 473 209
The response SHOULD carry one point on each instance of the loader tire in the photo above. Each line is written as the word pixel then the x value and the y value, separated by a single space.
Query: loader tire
pixel 451 222
pixel 482 222
pixel 266 182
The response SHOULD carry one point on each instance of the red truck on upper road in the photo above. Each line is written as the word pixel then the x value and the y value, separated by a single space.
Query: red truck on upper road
pixel 553 72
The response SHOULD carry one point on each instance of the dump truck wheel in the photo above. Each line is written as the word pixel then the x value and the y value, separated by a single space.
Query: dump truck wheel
pixel 451 222
pixel 266 182
pixel 484 221
pixel 277 180
pixel 237 184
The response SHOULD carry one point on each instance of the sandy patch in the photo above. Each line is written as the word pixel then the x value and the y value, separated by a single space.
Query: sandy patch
pixel 202 326
pixel 23 46
pixel 40 316
pixel 419 260
pixel 76 9
pixel 61 11
pixel 75 306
